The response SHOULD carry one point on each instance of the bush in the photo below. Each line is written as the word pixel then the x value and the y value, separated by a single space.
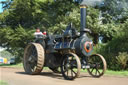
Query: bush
pixel 115 54
pixel 122 59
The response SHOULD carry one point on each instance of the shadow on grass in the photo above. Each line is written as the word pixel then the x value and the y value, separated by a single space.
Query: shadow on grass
pixel 11 65
pixel 5 65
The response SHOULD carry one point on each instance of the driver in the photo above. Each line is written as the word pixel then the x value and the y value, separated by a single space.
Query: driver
pixel 38 33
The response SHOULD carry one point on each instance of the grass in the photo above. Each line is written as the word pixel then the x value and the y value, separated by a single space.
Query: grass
pixel 117 73
pixel 3 82
pixel 108 72
pixel 114 73
pixel 20 65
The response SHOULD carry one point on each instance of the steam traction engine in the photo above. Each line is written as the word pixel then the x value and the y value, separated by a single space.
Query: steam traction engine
pixel 70 52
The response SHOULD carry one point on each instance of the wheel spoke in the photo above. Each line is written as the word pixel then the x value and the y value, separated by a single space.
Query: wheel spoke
pixel 92 69
pixel 67 72
pixel 33 68
pixel 73 71
pixel 98 71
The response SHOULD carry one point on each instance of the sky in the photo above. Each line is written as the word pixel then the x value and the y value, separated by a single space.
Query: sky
pixel 1 6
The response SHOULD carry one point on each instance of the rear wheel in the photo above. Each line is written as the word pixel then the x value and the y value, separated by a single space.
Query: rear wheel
pixel 97 65
pixel 70 66
pixel 33 61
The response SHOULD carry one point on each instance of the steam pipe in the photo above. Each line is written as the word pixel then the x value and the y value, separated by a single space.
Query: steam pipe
pixel 83 19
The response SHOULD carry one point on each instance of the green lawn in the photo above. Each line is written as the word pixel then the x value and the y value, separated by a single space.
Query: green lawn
pixel 20 65
pixel 114 73
pixel 3 82
pixel 117 73
pixel 108 72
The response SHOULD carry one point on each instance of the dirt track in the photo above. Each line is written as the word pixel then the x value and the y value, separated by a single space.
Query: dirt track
pixel 16 76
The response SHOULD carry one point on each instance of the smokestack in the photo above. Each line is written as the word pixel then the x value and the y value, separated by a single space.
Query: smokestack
pixel 83 6
pixel 83 19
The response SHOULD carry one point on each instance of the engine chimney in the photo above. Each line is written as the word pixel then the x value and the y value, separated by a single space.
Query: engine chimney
pixel 83 19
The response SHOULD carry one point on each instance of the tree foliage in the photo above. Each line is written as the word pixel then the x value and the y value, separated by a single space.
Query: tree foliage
pixel 118 9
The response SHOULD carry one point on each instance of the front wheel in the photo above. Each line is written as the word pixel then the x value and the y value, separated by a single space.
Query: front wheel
pixel 97 65
pixel 70 66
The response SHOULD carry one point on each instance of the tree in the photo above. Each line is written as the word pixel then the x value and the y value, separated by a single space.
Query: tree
pixel 118 9
pixel 6 54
